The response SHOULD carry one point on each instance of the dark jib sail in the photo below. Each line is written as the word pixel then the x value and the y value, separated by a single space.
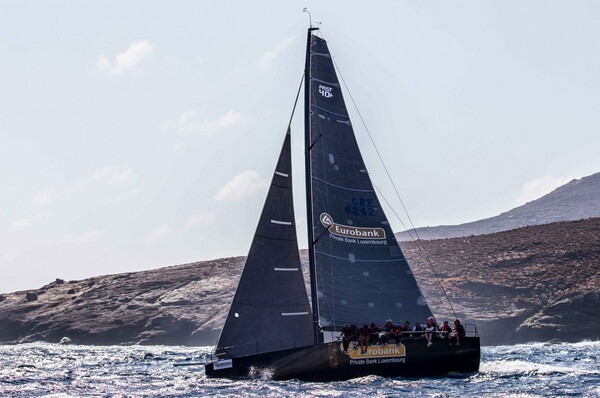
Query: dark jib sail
pixel 270 309
pixel 361 273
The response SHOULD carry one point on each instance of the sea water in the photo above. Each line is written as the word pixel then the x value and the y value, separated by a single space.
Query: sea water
pixel 527 370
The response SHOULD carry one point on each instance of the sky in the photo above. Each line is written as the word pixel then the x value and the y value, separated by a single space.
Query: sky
pixel 136 135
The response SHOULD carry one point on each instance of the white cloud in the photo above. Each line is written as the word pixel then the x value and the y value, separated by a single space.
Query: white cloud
pixel 190 122
pixel 25 223
pixel 101 173
pixel 539 187
pixel 86 237
pixel 127 60
pixel 112 174
pixel 199 219
pixel 240 187
pixel 228 119
pixel 158 235
pixel 120 176
pixel 43 197
pixel 101 178
pixel 267 59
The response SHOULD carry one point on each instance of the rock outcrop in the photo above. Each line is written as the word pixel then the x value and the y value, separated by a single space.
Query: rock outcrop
pixel 535 283
pixel 574 316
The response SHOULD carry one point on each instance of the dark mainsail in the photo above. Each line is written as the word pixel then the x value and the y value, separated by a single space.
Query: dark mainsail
pixel 270 309
pixel 360 273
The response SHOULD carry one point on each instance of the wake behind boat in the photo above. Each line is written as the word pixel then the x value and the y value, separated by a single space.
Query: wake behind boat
pixel 358 273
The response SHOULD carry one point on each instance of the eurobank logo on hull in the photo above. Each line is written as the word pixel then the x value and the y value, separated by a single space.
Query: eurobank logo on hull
pixel 349 231
pixel 378 351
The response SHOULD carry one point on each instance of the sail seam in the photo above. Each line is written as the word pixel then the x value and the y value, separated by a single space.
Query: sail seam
pixel 344 188
pixel 266 237
pixel 280 186
pixel 326 82
pixel 279 173
pixel 333 113
pixel 362 261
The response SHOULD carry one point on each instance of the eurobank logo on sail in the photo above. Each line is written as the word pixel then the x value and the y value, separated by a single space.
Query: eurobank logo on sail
pixel 349 231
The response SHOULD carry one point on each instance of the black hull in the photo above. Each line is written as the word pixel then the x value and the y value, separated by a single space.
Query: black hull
pixel 326 362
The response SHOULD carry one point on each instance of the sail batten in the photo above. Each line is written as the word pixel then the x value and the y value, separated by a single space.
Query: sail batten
pixel 344 188
pixel 281 222
pixel 382 260
pixel 333 113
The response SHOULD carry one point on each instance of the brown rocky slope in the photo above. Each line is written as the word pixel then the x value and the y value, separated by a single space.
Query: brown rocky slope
pixel 534 283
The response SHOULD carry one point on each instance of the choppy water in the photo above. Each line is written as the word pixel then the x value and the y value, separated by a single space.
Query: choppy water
pixel 531 370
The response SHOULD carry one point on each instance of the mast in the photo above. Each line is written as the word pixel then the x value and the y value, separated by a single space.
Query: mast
pixel 309 207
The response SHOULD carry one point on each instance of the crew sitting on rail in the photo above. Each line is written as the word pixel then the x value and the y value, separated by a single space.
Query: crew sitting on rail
pixel 445 330
pixel 374 339
pixel 347 336
pixel 406 327
pixel 389 332
pixel 418 329
pixel 398 330
pixel 430 328
pixel 457 332
pixel 365 336
pixel 373 335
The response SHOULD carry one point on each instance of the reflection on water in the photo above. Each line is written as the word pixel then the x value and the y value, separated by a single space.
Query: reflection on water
pixel 528 370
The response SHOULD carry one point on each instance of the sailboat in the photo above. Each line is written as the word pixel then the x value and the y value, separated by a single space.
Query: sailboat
pixel 358 273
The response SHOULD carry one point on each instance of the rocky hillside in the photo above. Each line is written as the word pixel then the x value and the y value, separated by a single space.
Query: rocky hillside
pixel 577 200
pixel 183 304
pixel 534 283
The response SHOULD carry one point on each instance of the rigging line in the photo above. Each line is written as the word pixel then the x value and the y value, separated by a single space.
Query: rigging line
pixel 419 247
pixel 296 102
pixel 376 150
pixel 321 235
pixel 392 208
pixel 393 185
pixel 375 146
